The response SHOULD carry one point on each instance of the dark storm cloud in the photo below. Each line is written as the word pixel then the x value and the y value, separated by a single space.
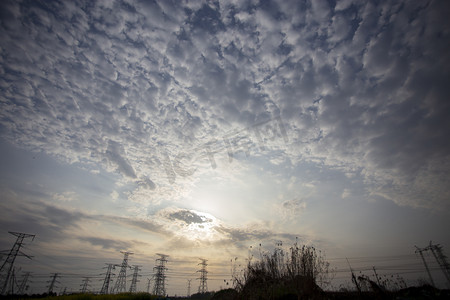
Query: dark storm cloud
pixel 119 83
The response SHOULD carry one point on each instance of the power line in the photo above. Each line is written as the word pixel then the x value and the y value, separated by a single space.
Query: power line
pixel 370 258
pixel 398 262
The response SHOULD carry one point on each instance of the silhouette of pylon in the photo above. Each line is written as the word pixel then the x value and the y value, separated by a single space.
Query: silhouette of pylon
pixel 23 285
pixel 203 286
pixel 8 264
pixel 159 288
pixel 121 282
pixel 85 285
pixel 149 281
pixel 420 251
pixel 134 280
pixel 441 260
pixel 189 288
pixel 52 282
pixel 108 279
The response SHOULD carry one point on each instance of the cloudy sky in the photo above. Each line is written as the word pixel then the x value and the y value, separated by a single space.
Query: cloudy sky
pixel 201 128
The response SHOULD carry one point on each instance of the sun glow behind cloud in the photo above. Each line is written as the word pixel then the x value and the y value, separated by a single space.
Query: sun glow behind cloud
pixel 196 225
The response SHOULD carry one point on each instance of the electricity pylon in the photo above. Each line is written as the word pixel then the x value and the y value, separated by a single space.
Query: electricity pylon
pixel 149 281
pixel 85 285
pixel 203 286
pixel 8 264
pixel 420 251
pixel 159 288
pixel 12 283
pixel 134 280
pixel 441 259
pixel 23 285
pixel 189 288
pixel 108 279
pixel 52 282
pixel 121 282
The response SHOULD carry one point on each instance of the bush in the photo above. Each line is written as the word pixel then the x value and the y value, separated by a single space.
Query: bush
pixel 297 271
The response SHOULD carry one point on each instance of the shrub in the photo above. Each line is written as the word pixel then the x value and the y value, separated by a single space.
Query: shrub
pixel 297 271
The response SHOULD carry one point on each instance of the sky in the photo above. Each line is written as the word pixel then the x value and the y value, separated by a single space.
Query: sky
pixel 199 129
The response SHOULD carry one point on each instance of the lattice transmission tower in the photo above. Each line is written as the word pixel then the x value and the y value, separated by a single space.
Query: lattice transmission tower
pixel 149 281
pixel 135 280
pixel 108 279
pixel 203 286
pixel 121 282
pixel 52 283
pixel 12 283
pixel 85 285
pixel 189 287
pixel 442 260
pixel 440 257
pixel 24 284
pixel 8 265
pixel 159 288
pixel 420 251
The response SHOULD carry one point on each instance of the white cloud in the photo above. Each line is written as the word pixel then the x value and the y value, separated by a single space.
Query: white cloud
pixel 65 196
pixel 114 195
pixel 292 208
pixel 169 85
